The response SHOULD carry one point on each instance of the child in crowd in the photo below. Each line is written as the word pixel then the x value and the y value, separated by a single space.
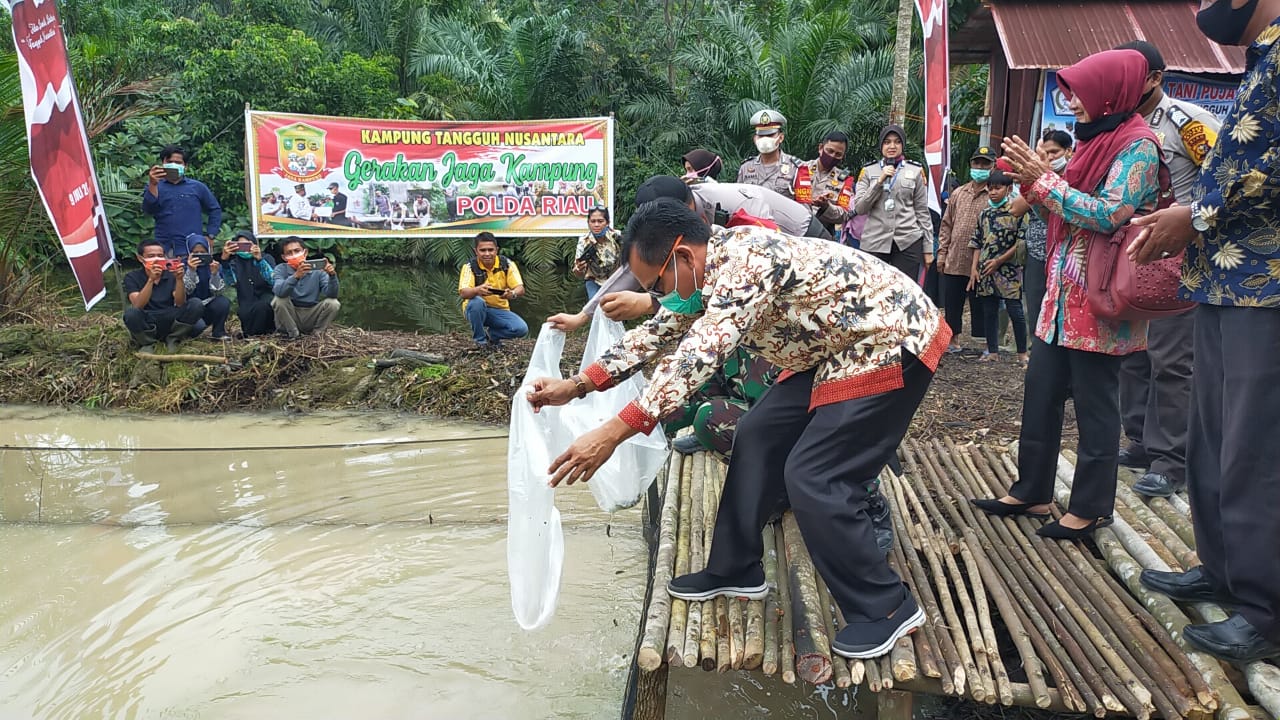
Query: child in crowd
pixel 996 274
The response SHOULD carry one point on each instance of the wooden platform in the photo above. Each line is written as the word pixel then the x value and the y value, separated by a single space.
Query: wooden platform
pixel 1012 618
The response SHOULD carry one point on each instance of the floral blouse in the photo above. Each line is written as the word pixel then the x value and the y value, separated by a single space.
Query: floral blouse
pixel 605 259
pixel 1065 318
pixel 798 303
pixel 998 232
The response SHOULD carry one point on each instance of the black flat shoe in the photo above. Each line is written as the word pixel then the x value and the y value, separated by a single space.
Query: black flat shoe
pixel 1190 586
pixel 999 509
pixel 1058 531
pixel 1233 639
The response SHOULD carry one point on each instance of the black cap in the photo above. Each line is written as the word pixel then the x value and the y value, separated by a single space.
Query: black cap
pixel 983 153
pixel 660 186
pixel 1155 61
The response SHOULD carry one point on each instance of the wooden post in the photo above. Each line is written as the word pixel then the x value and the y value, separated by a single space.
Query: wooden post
pixel 651 695
pixel 893 705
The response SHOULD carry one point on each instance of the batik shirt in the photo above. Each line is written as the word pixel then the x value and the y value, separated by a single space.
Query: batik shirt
pixel 796 302
pixel 1037 236
pixel 605 261
pixel 998 232
pixel 1237 260
pixel 1131 184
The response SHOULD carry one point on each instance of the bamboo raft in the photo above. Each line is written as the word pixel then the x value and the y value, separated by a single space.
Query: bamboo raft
pixel 1012 618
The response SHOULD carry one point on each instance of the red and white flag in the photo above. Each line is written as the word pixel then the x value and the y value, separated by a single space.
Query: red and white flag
pixel 60 159
pixel 937 95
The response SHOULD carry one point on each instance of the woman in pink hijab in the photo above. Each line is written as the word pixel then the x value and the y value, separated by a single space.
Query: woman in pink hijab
pixel 1113 175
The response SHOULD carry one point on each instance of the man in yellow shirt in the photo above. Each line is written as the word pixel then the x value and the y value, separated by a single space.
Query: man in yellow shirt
pixel 487 285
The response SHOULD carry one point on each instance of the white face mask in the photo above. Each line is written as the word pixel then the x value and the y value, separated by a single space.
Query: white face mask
pixel 1058 164
pixel 767 144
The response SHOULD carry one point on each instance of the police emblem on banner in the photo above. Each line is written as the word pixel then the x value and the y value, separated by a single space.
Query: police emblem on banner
pixel 301 152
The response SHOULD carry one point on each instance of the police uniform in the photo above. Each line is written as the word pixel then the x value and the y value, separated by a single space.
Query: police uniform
pixel 778 176
pixel 897 215
pixel 813 182
pixel 1155 384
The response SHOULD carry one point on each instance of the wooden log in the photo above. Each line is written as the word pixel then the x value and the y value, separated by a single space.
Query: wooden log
pixel 753 655
pixel 996 539
pixel 1156 526
pixel 812 646
pixel 998 672
pixel 787 650
pixel 857 669
pixel 1264 683
pixel 697 562
pixel 691 476
pixel 874 683
pixel 896 705
pixel 923 641
pixel 209 359
pixel 658 615
pixel 651 695
pixel 886 671
pixel 1022 639
pixel 769 660
pixel 973 629
pixel 1125 514
pixel 737 633
pixel 724 654
pixel 839 668
pixel 903 660
pixel 1179 523
pixel 708 645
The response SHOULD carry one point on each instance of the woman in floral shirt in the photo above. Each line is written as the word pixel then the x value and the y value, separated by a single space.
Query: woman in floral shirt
pixel 596 257
pixel 857 342
pixel 1113 175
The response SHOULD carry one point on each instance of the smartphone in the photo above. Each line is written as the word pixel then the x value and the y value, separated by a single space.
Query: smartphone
pixel 495 291
pixel 241 246
pixel 204 258
pixel 317 263
pixel 174 265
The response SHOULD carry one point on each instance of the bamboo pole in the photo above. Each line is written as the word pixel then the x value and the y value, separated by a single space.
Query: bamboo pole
pixel 998 673
pixel 691 476
pixel 769 661
pixel 840 668
pixel 813 647
pixel 649 657
pixel 788 649
pixel 954 674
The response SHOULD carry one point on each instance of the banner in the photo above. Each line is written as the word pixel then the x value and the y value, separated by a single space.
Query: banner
pixel 1216 97
pixel 937 96
pixel 435 179
pixel 59 147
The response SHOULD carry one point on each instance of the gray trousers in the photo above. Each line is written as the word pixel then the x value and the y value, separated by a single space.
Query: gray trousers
pixel 1155 395
pixel 293 320
pixel 1232 458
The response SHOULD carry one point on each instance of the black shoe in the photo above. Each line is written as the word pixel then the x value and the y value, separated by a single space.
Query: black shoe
pixel 687 445
pixel 999 509
pixel 1190 586
pixel 705 586
pixel 881 521
pixel 1135 457
pixel 1233 639
pixel 873 639
pixel 1155 484
pixel 1058 531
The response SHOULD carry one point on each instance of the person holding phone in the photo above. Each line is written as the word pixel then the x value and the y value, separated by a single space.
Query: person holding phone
pixel 306 294
pixel 487 284
pixel 596 256
pixel 204 284
pixel 158 308
pixel 251 273
pixel 179 204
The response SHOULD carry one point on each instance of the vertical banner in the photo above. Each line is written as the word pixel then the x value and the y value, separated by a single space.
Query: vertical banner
pixel 60 161
pixel 322 177
pixel 937 95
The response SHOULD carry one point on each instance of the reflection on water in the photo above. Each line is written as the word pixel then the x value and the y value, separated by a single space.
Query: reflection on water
pixel 421 298
pixel 359 582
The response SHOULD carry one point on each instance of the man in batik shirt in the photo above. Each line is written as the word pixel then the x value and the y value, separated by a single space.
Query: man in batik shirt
pixel 857 342
pixel 1231 232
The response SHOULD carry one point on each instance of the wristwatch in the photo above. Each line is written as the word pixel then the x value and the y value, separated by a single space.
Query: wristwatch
pixel 1197 220
pixel 580 385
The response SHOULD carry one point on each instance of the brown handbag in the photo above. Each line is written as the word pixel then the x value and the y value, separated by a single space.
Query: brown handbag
pixel 1120 289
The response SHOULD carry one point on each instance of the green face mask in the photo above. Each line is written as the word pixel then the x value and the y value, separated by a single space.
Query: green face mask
pixel 996 205
pixel 979 175
pixel 245 255
pixel 672 301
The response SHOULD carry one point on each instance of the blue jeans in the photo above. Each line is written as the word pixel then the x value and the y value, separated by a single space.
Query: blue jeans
pixel 593 287
pixel 490 324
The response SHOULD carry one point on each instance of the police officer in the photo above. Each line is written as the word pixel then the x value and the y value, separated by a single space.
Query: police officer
pixel 892 193
pixel 823 185
pixel 772 168
pixel 1155 385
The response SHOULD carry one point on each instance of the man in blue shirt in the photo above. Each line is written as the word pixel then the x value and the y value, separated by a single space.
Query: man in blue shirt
pixel 1231 232
pixel 179 203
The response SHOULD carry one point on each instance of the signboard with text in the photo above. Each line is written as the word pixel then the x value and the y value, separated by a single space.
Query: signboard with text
pixel 1214 96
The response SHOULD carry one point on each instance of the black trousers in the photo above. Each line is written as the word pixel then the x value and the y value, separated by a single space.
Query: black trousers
pixel 1092 381
pixel 954 296
pixel 216 310
pixel 933 284
pixel 258 318
pixel 908 259
pixel 1033 282
pixel 1232 458
pixel 160 322
pixel 991 305
pixel 1155 394
pixel 825 461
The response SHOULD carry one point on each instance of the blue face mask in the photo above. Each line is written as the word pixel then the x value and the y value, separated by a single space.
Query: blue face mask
pixel 979 175
pixel 672 301
pixel 997 205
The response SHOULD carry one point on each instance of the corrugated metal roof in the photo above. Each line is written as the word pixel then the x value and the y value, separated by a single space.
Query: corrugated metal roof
pixel 1052 35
